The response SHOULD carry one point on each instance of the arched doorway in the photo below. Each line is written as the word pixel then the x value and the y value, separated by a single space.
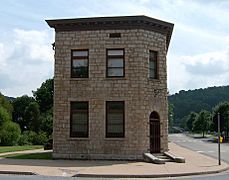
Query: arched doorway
pixel 155 141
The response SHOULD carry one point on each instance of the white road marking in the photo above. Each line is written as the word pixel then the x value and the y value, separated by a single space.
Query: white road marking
pixel 200 151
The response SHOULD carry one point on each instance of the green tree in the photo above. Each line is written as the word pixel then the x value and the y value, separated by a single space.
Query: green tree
pixel 190 119
pixel 202 122
pixel 19 114
pixel 223 109
pixel 32 116
pixel 4 115
pixel 6 104
pixel 9 133
pixel 44 95
pixel 47 122
pixel 170 115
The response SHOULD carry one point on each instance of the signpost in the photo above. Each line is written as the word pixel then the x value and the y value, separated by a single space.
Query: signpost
pixel 219 139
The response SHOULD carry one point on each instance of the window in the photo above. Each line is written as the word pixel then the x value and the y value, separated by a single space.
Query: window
pixel 79 64
pixel 115 63
pixel 153 69
pixel 79 119
pixel 115 119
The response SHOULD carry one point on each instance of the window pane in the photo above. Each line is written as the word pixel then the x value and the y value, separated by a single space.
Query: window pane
pixel 115 52
pixel 152 64
pixel 117 62
pixel 115 105
pixel 79 128
pixel 115 72
pixel 153 55
pixel 152 73
pixel 115 118
pixel 79 119
pixel 79 62
pixel 79 53
pixel 80 72
pixel 118 128
pixel 79 105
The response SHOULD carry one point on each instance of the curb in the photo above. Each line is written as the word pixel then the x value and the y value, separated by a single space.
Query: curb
pixel 150 175
pixel 18 172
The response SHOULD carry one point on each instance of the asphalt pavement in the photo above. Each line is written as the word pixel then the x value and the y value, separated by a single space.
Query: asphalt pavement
pixel 201 145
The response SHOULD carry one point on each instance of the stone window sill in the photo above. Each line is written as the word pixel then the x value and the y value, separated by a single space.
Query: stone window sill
pixel 78 139
pixel 79 79
pixel 114 139
pixel 115 78
pixel 155 80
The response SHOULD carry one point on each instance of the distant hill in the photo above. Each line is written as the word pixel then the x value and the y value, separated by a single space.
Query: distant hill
pixel 9 98
pixel 196 100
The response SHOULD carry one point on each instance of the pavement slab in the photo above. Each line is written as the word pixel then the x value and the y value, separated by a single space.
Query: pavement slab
pixel 195 164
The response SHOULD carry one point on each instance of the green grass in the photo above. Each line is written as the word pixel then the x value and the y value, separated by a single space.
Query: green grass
pixel 4 149
pixel 46 155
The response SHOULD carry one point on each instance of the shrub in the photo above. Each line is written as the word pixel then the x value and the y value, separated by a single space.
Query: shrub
pixel 9 133
pixel 41 138
pixel 31 137
pixel 24 140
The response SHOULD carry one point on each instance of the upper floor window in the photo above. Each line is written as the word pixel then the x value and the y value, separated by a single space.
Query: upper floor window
pixel 115 63
pixel 79 119
pixel 79 64
pixel 115 123
pixel 153 65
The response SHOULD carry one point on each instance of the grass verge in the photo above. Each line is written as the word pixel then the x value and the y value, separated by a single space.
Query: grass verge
pixel 4 149
pixel 46 155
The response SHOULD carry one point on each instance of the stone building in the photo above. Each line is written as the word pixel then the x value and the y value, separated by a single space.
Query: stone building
pixel 110 99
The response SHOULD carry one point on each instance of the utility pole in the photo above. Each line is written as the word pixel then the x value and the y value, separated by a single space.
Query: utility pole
pixel 219 139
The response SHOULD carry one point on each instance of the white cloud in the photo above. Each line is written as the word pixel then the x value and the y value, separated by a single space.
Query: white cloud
pixel 27 61
pixel 198 71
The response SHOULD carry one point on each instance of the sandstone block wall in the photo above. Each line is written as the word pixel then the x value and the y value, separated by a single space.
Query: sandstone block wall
pixel 141 94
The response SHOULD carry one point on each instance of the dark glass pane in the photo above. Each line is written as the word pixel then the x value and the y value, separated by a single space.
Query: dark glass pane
pixel 79 105
pixel 116 62
pixel 153 55
pixel 79 63
pixel 152 73
pixel 115 128
pixel 152 64
pixel 115 118
pixel 115 105
pixel 79 119
pixel 79 128
pixel 80 72
pixel 115 72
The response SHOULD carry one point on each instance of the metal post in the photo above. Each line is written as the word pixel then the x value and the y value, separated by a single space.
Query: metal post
pixel 219 139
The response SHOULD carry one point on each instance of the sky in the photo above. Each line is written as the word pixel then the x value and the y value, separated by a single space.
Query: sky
pixel 198 55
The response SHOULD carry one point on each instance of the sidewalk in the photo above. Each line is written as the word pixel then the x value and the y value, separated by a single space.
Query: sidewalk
pixel 195 164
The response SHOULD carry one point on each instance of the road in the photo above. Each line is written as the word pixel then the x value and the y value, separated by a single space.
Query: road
pixel 204 146
pixel 201 145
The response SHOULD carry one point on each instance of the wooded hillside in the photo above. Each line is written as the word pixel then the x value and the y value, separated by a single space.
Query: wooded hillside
pixel 196 100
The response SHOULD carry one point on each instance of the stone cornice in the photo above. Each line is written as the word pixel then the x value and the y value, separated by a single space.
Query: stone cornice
pixel 108 23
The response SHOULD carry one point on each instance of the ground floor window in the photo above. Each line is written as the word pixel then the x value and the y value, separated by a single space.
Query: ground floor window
pixel 79 119
pixel 115 121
